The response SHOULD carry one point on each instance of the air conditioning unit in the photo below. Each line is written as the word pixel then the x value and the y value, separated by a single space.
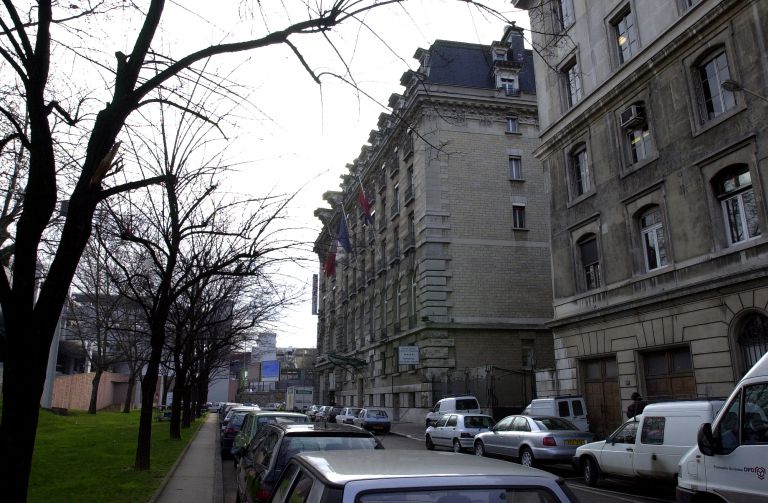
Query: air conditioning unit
pixel 632 116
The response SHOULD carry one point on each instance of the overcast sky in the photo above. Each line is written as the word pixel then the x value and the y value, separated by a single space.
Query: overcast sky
pixel 299 136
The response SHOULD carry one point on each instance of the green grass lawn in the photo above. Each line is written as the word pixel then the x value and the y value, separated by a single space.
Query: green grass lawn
pixel 85 458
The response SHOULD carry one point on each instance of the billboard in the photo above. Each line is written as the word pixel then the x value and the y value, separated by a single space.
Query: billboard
pixel 270 370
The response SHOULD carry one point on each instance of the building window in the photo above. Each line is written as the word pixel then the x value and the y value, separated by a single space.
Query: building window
pixel 713 100
pixel 626 36
pixel 509 86
pixel 563 11
pixel 513 125
pixel 412 299
pixel 579 171
pixel 733 187
pixel 518 217
pixel 515 168
pixel 637 134
pixel 590 261
pixel 572 82
pixel 397 303
pixel 653 240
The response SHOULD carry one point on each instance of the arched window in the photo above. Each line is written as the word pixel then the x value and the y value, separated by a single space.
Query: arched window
pixel 733 187
pixel 752 337
pixel 653 239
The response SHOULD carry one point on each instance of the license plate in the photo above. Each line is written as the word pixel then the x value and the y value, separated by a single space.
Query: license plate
pixel 378 427
pixel 575 442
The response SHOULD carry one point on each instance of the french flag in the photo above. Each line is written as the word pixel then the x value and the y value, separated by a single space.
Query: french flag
pixel 365 205
pixel 329 266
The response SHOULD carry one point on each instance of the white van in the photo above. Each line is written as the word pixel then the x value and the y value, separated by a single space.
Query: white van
pixel 570 408
pixel 649 445
pixel 730 462
pixel 450 405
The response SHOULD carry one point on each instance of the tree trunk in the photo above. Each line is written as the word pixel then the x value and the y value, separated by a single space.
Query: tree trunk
pixel 23 380
pixel 129 396
pixel 95 391
pixel 178 395
pixel 148 389
pixel 186 414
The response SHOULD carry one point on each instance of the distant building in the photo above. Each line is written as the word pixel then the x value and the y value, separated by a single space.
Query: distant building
pixel 454 270
pixel 657 162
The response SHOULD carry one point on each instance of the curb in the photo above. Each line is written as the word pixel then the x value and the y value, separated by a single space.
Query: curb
pixel 164 482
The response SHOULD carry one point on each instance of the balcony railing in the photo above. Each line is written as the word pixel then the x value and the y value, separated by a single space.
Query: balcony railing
pixel 394 254
pixel 511 91
pixel 382 225
pixel 406 145
pixel 381 181
pixel 408 195
pixel 409 243
pixel 393 164
pixel 381 266
pixel 394 210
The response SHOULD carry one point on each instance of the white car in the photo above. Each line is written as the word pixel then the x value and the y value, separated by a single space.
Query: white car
pixel 466 404
pixel 380 476
pixel 348 415
pixel 457 431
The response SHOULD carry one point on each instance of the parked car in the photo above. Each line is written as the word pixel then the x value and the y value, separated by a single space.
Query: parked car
pixel 533 440
pixel 666 432
pixel 265 458
pixel 729 460
pixel 570 408
pixel 449 405
pixel 375 420
pixel 348 415
pixel 229 430
pixel 224 409
pixel 372 476
pixel 233 410
pixel 253 422
pixel 331 414
pixel 312 410
pixel 322 413
pixel 457 431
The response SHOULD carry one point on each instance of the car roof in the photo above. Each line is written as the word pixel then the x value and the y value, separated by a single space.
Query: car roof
pixel 320 428
pixel 275 413
pixel 339 467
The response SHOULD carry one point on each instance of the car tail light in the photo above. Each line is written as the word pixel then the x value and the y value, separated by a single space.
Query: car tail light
pixel 262 494
pixel 549 442
pixel 465 434
pixel 230 431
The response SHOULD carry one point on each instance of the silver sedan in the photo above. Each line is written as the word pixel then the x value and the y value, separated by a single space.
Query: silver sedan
pixel 532 439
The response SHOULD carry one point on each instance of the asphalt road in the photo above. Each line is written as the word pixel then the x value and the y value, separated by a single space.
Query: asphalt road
pixel 606 491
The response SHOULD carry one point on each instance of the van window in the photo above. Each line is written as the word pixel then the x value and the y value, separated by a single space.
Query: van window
pixel 653 431
pixel 626 434
pixel 578 409
pixel 728 427
pixel 754 425
pixel 466 404
pixel 563 409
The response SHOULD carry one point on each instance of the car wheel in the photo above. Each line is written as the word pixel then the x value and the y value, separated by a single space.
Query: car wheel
pixel 456 446
pixel 526 457
pixel 589 470
pixel 430 445
pixel 479 449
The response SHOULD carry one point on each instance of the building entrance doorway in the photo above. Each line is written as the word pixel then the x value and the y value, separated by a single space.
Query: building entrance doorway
pixel 601 391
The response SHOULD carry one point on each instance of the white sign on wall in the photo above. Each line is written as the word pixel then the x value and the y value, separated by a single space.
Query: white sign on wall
pixel 408 355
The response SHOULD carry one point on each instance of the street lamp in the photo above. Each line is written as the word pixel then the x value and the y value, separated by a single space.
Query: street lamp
pixel 732 86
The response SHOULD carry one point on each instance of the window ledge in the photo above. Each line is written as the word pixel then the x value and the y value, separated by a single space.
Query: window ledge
pixel 577 200
pixel 521 229
pixel 517 179
pixel 631 168
pixel 517 133
pixel 699 128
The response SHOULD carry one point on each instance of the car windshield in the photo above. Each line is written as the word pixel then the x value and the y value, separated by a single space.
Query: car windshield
pixel 477 422
pixel 353 412
pixel 553 424
pixel 377 413
pixel 466 404
pixel 462 495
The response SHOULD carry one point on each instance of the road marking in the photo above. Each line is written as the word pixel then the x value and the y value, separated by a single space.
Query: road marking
pixel 614 494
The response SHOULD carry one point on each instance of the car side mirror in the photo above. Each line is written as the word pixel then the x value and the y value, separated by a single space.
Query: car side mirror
pixel 706 440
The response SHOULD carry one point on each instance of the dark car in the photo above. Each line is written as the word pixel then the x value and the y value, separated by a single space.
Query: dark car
pixel 373 420
pixel 335 411
pixel 270 450
pixel 230 429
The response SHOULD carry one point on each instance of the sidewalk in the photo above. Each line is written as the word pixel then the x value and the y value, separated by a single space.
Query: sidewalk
pixel 196 476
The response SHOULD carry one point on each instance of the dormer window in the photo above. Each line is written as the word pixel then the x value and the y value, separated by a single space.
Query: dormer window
pixel 500 55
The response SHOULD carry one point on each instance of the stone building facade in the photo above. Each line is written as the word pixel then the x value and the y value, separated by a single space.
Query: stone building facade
pixel 653 131
pixel 455 266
